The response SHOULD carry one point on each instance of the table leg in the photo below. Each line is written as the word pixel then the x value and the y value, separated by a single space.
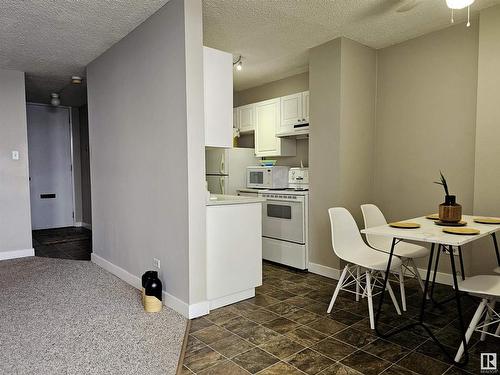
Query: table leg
pixel 495 243
pixel 386 278
pixel 427 279
pixel 435 270
pixel 459 306
pixel 462 271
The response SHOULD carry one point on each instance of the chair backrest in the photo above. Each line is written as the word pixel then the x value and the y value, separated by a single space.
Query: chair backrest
pixel 373 217
pixel 346 239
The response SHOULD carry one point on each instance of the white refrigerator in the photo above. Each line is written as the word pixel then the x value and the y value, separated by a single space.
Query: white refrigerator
pixel 226 168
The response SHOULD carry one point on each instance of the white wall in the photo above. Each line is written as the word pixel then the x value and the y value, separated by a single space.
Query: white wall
pixel 15 218
pixel 146 150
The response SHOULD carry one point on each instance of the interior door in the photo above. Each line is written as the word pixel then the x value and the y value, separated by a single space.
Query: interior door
pixel 51 180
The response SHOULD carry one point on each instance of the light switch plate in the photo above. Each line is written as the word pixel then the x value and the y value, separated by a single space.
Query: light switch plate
pixel 15 155
pixel 156 263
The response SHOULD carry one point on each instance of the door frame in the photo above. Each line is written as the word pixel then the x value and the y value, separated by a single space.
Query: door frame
pixel 71 151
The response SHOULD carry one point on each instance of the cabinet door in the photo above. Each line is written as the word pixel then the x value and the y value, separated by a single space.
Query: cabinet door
pixel 267 119
pixel 246 118
pixel 218 94
pixel 291 112
pixel 305 106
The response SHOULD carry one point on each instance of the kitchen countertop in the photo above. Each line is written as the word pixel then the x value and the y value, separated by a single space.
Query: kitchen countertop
pixel 232 199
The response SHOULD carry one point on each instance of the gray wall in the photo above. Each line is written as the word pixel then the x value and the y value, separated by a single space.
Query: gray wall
pixel 426 109
pixel 15 219
pixel 77 173
pixel 138 101
pixel 85 165
pixel 342 86
pixel 487 156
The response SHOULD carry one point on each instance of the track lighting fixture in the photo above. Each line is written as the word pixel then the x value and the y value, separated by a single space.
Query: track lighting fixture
pixel 55 101
pixel 238 63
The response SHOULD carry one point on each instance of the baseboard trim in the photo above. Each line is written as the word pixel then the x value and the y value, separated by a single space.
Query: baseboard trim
pixel 14 254
pixel 84 225
pixel 232 298
pixel 332 273
pixel 189 311
pixel 441 277
pixel 199 309
pixel 325 271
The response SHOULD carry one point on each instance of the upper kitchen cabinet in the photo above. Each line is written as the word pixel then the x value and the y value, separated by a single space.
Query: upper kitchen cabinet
pixel 218 95
pixel 246 118
pixel 294 112
pixel 267 124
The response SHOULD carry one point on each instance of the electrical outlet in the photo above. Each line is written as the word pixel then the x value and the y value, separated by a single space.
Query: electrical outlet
pixel 156 263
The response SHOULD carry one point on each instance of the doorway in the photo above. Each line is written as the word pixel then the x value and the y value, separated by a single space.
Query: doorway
pixel 57 180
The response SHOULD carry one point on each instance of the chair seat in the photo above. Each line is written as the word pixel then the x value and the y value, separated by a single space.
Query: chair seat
pixel 375 260
pixel 408 250
pixel 482 284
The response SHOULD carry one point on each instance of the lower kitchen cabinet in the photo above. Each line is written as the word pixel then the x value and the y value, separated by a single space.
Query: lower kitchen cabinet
pixel 234 252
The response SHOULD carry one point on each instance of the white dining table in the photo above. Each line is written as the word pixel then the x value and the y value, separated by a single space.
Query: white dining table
pixel 431 233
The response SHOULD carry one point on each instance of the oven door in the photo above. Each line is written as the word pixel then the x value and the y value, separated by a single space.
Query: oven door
pixel 283 220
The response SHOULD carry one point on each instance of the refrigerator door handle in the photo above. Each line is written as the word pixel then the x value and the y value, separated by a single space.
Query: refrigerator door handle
pixel 222 188
pixel 222 163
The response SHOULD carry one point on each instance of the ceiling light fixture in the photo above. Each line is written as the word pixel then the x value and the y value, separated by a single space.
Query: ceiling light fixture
pixel 457 5
pixel 238 63
pixel 76 80
pixel 55 101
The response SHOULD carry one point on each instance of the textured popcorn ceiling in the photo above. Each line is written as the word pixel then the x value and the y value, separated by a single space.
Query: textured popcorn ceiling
pixel 53 39
pixel 273 36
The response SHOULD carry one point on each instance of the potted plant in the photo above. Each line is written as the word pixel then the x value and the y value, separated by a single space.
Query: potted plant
pixel 449 211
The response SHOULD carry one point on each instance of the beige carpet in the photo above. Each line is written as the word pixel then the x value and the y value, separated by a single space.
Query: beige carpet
pixel 62 316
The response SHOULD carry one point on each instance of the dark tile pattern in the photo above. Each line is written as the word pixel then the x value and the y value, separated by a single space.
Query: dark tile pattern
pixel 66 243
pixel 285 329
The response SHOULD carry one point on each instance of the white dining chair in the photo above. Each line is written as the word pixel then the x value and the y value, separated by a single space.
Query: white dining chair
pixel 487 287
pixel 407 252
pixel 349 246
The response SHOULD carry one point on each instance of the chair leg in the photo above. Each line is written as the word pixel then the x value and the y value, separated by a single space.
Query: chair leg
pixel 337 289
pixel 487 319
pixel 368 289
pixel 472 327
pixel 357 283
pixel 402 287
pixel 393 297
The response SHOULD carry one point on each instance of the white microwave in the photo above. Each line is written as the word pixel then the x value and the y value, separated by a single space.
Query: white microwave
pixel 275 177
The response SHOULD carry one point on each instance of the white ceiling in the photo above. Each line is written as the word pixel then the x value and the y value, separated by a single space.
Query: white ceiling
pixel 53 39
pixel 273 36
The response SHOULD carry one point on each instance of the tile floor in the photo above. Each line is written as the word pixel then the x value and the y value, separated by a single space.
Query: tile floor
pixel 66 243
pixel 284 329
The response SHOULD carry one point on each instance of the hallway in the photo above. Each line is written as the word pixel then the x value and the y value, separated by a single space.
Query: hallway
pixel 65 243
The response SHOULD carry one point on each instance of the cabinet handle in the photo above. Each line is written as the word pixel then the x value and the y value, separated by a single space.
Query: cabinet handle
pixel 299 120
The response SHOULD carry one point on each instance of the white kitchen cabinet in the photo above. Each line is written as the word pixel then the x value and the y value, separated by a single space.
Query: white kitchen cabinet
pixel 267 125
pixel 246 118
pixel 234 252
pixel 218 96
pixel 294 112
pixel 235 119
pixel 305 106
